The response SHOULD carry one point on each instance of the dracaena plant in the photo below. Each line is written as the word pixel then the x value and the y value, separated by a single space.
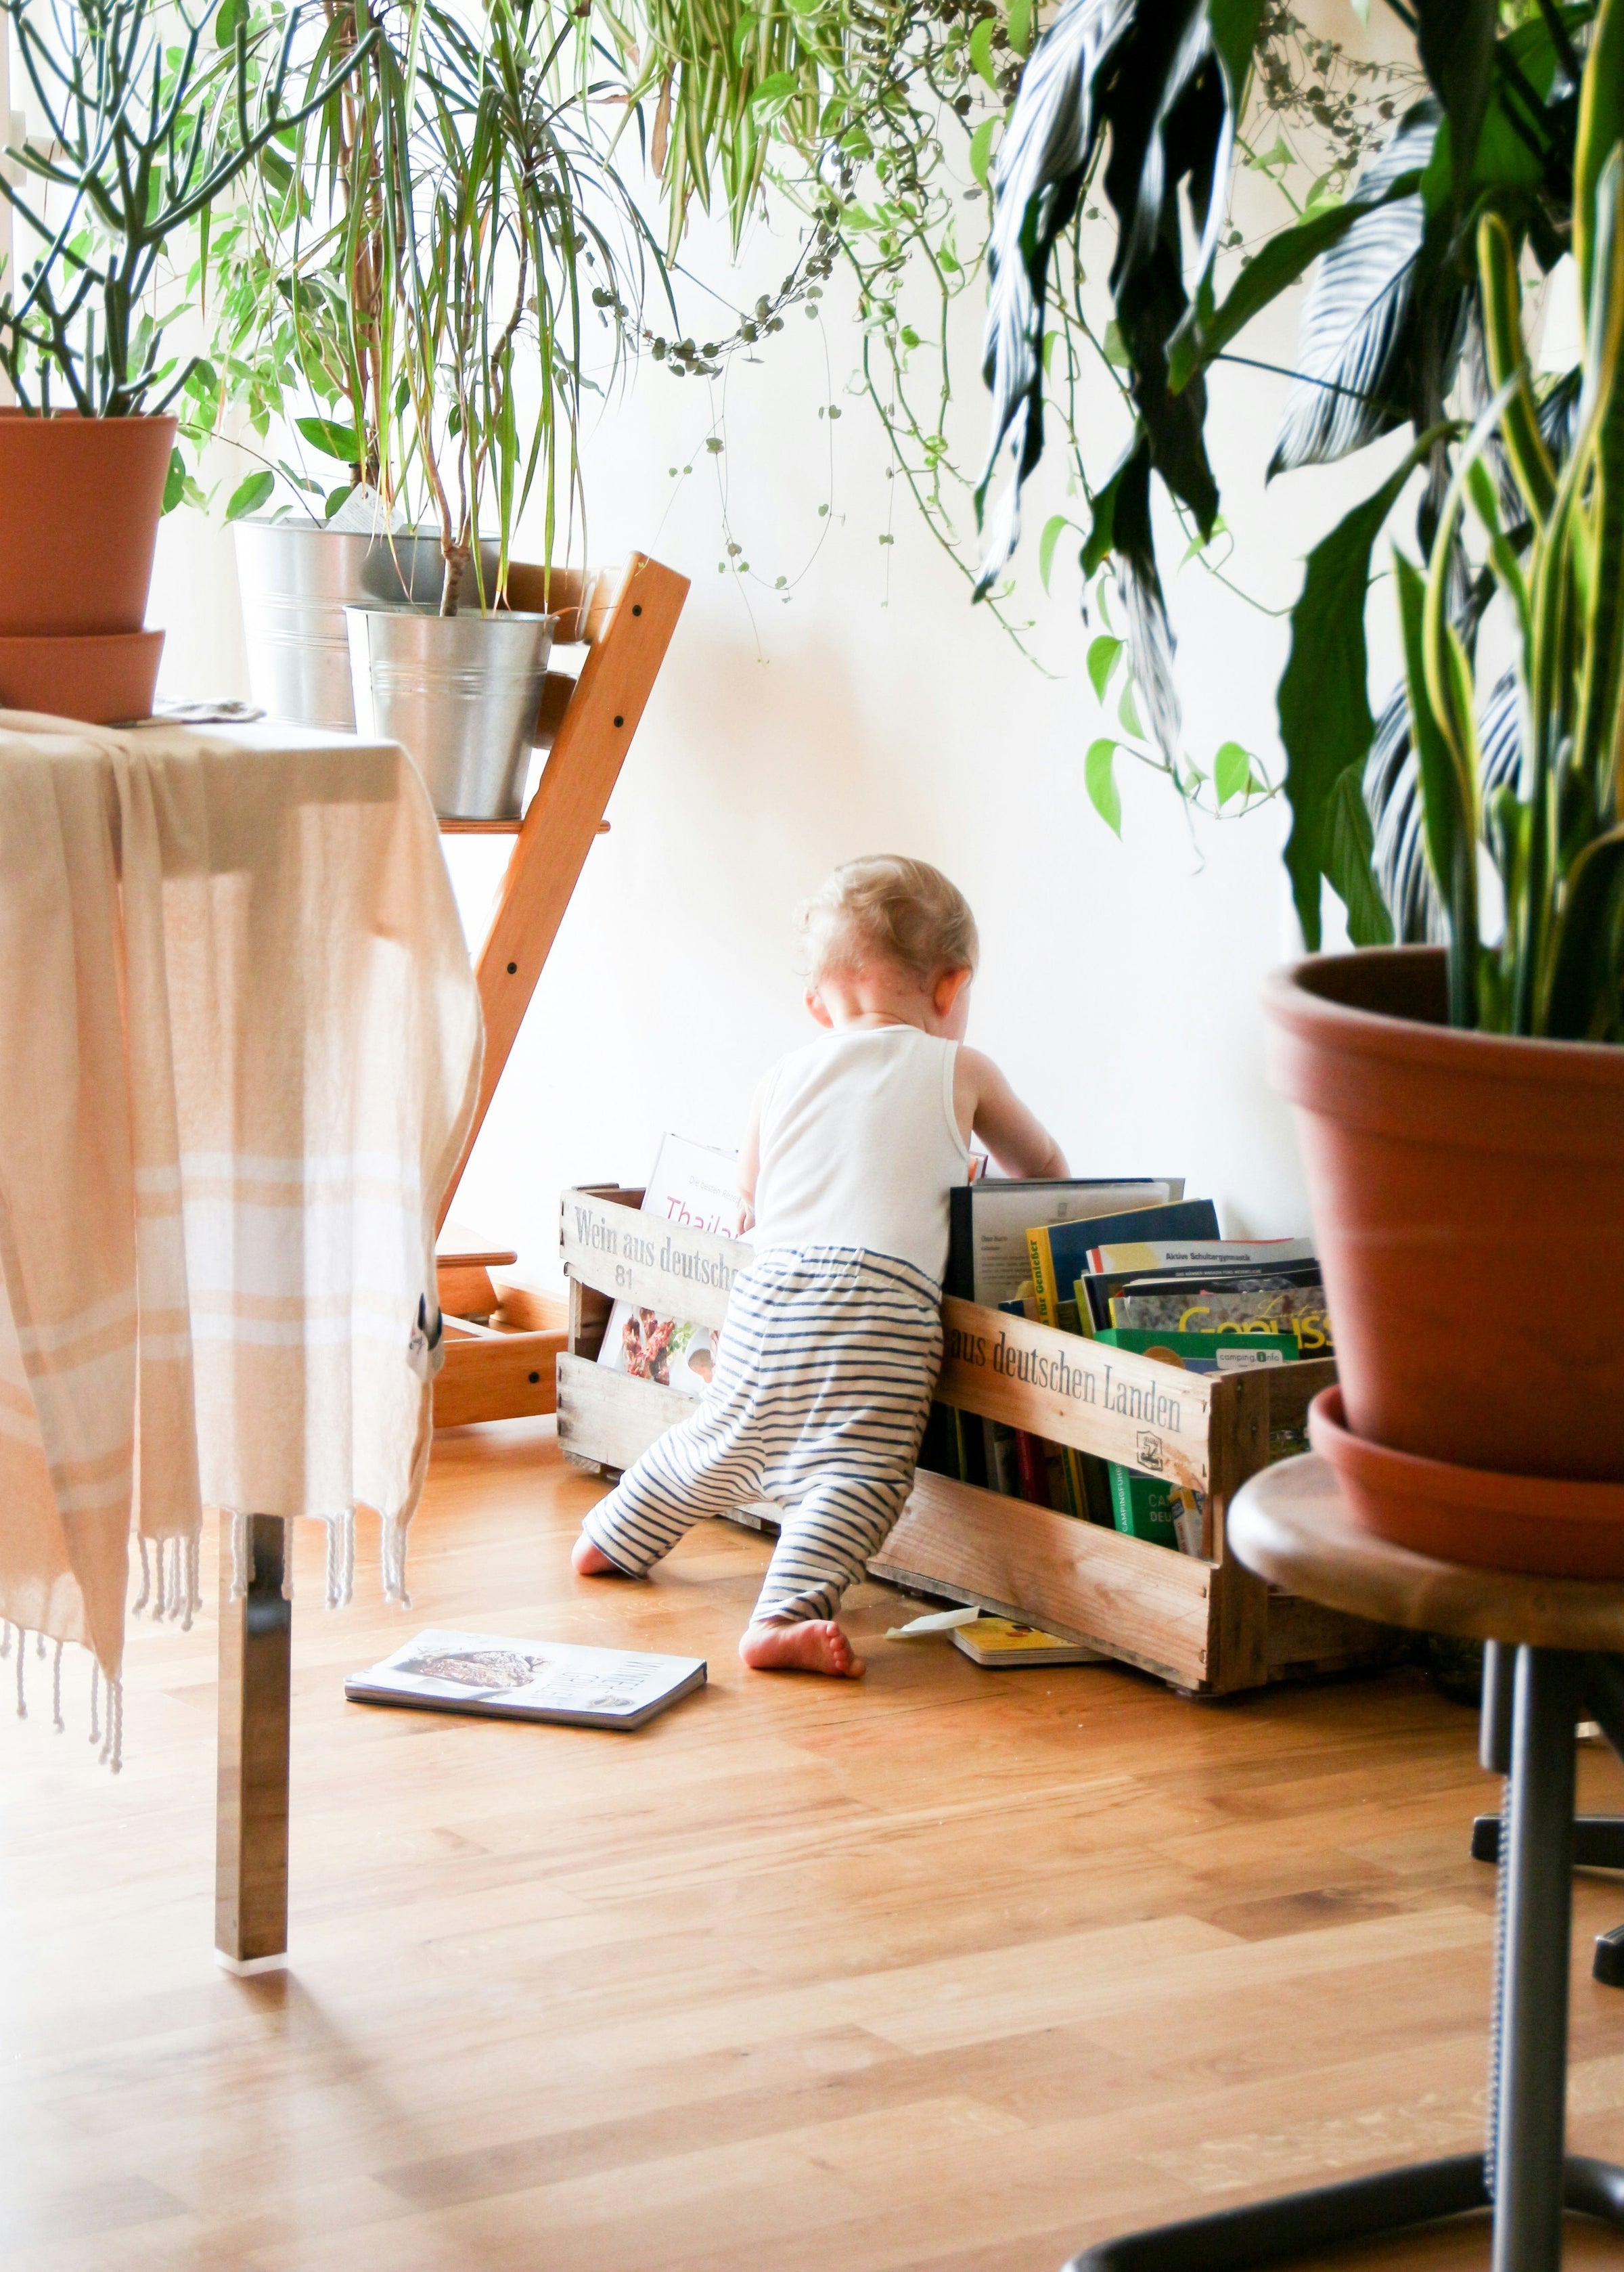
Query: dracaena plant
pixel 146 129
pixel 445 265
pixel 1143 101
pixel 1556 835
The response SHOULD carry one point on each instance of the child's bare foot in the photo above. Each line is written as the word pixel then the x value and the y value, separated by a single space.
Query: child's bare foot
pixel 589 1562
pixel 815 1645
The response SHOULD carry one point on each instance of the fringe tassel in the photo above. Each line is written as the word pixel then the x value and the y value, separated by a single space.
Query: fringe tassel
pixel 95 1692
pixel 5 1640
pixel 145 1596
pixel 241 1557
pixel 58 1722
pixel 112 1753
pixel 340 1559
pixel 22 1660
pixel 392 1551
pixel 192 1547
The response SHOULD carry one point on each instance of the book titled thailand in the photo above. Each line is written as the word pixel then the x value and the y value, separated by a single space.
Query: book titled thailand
pixel 503 1679
pixel 696 1186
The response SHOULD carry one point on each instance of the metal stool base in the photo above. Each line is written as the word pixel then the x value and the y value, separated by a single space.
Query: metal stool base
pixel 1530 1705
pixel 1330 2216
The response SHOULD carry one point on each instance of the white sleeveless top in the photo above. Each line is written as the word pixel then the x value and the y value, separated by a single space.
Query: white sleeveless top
pixel 859 1145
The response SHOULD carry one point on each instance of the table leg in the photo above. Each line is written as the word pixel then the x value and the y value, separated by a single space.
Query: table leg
pixel 1530 2110
pixel 250 1852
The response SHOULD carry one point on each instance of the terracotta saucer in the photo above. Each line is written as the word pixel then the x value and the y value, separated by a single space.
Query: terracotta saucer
pixel 1537 1524
pixel 102 677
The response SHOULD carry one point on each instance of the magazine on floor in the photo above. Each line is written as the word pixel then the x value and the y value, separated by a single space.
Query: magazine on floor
pixel 501 1678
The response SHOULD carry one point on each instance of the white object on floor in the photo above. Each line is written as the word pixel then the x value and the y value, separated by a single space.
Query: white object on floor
pixel 245 1967
pixel 940 1621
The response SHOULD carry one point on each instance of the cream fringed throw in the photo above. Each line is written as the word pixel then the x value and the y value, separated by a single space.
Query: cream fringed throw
pixel 239 1051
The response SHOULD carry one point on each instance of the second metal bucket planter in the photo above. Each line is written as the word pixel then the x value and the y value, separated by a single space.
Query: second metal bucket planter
pixel 461 693
pixel 297 580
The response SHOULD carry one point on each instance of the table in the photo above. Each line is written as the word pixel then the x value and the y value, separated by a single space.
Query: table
pixel 242 1041
pixel 1554 1646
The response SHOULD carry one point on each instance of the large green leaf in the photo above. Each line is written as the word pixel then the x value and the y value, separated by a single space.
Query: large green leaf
pixel 1277 264
pixel 1456 41
pixel 1323 698
pixel 1448 823
pixel 1601 128
pixel 1150 646
pixel 1153 74
pixel 1045 152
pixel 1356 340
pixel 1349 843
pixel 1583 999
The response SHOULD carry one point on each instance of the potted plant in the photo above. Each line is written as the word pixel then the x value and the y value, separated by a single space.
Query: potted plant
pixel 1462 1109
pixel 131 156
pixel 431 270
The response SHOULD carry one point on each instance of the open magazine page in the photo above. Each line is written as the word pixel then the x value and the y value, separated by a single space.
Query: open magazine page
pixel 697 1187
pixel 493 1675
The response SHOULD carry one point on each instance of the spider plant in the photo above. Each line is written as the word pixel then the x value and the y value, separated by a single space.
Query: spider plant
pixel 1556 836
pixel 143 135
pixel 515 249
pixel 448 264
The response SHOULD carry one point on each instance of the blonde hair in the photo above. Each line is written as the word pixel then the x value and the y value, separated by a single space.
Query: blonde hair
pixel 888 909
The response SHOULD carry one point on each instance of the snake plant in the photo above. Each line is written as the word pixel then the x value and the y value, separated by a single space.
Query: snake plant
pixel 1556 836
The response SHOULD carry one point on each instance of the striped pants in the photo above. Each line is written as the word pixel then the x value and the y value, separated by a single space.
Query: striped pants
pixel 825 1371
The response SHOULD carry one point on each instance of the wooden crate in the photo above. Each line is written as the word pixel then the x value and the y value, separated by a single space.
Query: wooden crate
pixel 1201 1622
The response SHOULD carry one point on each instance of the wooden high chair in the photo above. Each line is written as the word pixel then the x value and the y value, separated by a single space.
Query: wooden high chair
pixel 501 1351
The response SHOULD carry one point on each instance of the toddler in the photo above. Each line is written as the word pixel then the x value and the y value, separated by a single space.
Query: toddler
pixel 825 1368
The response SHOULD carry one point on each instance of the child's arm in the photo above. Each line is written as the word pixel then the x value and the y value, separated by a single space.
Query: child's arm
pixel 987 1107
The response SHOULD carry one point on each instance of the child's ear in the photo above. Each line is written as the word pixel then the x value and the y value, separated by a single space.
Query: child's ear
pixel 947 988
pixel 815 1003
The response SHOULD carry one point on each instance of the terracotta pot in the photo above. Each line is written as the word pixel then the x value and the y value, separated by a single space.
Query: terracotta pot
pixel 1468 1200
pixel 1536 1524
pixel 103 677
pixel 79 504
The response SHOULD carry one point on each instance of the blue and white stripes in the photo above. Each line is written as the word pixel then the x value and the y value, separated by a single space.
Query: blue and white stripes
pixel 825 1372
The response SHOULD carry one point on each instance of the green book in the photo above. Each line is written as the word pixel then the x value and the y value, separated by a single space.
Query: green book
pixel 1148 1506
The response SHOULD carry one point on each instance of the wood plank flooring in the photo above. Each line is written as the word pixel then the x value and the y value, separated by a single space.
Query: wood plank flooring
pixel 950 1969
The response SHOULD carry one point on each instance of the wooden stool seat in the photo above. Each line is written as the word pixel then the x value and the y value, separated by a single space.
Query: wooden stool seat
pixel 1290 1525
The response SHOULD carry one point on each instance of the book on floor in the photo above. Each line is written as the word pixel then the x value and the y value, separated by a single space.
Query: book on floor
pixel 1001 1641
pixel 697 1187
pixel 499 1678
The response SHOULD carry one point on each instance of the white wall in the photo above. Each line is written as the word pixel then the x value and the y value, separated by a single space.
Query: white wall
pixel 878 711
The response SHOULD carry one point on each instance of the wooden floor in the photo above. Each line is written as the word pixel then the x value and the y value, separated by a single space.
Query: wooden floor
pixel 951 1969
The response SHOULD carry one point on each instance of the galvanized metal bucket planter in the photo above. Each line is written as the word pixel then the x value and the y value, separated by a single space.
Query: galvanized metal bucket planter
pixel 461 693
pixel 296 580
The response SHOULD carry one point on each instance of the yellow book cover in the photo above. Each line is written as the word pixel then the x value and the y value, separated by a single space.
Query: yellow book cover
pixel 1000 1641
pixel 1045 1299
